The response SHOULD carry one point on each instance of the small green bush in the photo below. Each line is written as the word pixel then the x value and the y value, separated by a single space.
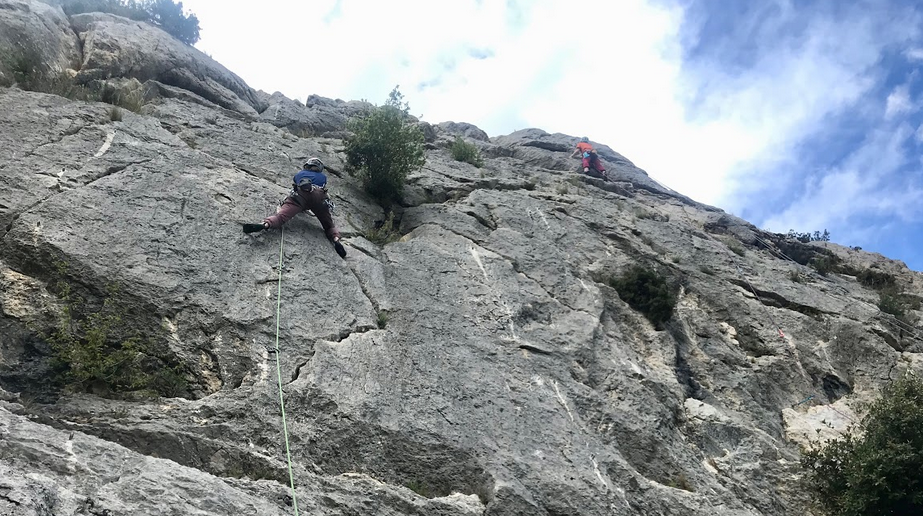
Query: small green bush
pixel 893 301
pixel 641 213
pixel 824 264
pixel 87 353
pixel 384 231
pixel 420 487
pixel 681 481
pixel 385 148
pixel 647 292
pixel 876 279
pixel 132 100
pixel 29 71
pixel 874 468
pixel 467 152
pixel 734 246
pixel 115 114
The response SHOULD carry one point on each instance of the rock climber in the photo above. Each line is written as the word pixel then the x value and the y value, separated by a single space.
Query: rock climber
pixel 309 193
pixel 592 166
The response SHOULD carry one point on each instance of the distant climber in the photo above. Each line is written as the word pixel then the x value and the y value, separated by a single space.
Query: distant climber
pixel 309 193
pixel 592 166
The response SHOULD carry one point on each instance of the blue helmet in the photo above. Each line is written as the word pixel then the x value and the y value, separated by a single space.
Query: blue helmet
pixel 585 140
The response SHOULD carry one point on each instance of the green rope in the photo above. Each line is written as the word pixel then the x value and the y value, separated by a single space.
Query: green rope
pixel 288 454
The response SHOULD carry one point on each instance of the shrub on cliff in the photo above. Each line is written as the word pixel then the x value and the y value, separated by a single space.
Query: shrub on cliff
pixel 90 350
pixel 467 152
pixel 874 468
pixel 647 292
pixel 385 147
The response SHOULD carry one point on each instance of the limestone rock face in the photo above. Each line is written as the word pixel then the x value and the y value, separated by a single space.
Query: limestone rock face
pixel 464 129
pixel 117 47
pixel 318 117
pixel 34 33
pixel 481 364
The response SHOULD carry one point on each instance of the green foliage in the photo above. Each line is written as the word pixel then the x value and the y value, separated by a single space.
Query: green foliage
pixel 467 152
pixel 29 71
pixel 825 264
pixel 88 353
pixel 421 488
pixel 130 99
pixel 384 231
pixel 648 292
pixel 382 319
pixel 680 481
pixel 874 469
pixel 642 213
pixel 734 246
pixel 385 148
pixel 169 16
pixel 893 301
pixel 817 236
pixel 115 114
pixel 165 14
pixel 876 279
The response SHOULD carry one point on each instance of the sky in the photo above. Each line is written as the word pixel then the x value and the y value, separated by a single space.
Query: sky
pixel 791 114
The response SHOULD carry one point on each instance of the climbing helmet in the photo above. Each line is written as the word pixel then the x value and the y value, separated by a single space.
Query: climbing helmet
pixel 313 164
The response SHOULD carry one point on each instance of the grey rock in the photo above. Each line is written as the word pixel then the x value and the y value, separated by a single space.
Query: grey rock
pixel 35 34
pixel 319 116
pixel 117 47
pixel 463 129
pixel 429 132
pixel 48 471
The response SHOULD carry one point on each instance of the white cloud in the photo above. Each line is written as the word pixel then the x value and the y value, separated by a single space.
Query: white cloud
pixel 868 187
pixel 914 54
pixel 898 102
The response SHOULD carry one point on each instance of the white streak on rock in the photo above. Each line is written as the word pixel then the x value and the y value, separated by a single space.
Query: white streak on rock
pixel 106 144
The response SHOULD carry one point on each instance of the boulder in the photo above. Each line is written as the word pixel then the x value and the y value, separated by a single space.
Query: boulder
pixel 35 38
pixel 118 47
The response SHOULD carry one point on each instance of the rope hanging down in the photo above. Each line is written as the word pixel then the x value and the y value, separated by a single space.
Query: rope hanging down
pixel 288 455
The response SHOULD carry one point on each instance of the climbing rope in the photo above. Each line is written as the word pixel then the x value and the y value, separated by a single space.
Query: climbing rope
pixel 288 455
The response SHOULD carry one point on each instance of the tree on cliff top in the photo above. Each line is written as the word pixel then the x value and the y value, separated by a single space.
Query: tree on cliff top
pixel 385 147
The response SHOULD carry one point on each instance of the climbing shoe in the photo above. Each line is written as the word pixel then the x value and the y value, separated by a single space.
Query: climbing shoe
pixel 253 228
pixel 340 249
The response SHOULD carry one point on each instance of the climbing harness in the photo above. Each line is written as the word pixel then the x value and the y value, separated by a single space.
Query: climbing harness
pixel 288 455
